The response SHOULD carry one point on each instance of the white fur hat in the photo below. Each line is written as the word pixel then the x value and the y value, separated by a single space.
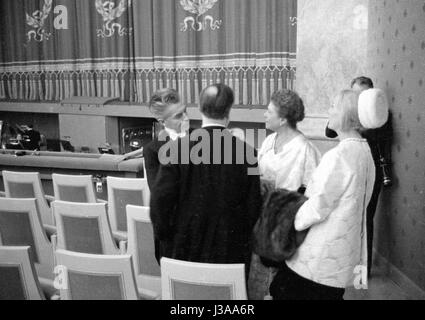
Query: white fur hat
pixel 373 108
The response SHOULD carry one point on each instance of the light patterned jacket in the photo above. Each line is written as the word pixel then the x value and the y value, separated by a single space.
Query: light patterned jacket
pixel 338 193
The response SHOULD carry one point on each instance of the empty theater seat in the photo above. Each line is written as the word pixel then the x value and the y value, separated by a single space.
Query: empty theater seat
pixel 141 248
pixel 121 192
pixel 97 277
pixel 83 227
pixel 20 225
pixel 182 280
pixel 73 188
pixel 18 278
pixel 28 185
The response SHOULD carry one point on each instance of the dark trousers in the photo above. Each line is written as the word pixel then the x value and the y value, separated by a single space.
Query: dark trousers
pixel 288 285
pixel 371 209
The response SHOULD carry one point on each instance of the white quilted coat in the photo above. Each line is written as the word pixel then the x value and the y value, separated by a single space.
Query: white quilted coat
pixel 338 194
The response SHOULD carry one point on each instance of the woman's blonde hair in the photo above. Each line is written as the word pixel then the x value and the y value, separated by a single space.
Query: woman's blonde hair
pixel 347 103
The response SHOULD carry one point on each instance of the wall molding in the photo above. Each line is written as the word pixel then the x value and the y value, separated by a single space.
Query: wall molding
pixel 399 278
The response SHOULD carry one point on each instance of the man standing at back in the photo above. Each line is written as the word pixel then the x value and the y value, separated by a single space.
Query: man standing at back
pixel 204 211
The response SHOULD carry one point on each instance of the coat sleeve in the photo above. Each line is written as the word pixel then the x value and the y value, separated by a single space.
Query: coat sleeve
pixel 255 199
pixel 151 163
pixel 164 198
pixel 330 180
pixel 312 159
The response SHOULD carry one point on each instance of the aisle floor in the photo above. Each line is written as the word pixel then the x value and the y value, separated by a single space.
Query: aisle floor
pixel 380 288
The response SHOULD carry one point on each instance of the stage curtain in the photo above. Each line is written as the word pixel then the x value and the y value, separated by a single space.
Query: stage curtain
pixel 56 49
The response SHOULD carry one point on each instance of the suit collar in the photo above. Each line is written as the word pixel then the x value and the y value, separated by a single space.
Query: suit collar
pixel 213 126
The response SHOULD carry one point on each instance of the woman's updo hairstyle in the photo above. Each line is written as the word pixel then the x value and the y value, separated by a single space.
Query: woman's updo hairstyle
pixel 289 106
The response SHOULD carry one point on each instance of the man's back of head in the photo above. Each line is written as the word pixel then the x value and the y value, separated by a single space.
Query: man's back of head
pixel 216 101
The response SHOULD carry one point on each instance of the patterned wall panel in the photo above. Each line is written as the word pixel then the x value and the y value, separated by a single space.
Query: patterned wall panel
pixel 331 49
pixel 396 58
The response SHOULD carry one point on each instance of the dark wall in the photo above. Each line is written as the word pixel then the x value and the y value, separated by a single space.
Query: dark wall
pixel 397 63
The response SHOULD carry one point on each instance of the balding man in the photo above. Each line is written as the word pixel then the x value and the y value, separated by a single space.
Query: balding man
pixel 206 200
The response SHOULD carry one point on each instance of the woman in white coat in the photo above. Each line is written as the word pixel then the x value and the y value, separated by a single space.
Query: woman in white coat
pixel 287 160
pixel 340 189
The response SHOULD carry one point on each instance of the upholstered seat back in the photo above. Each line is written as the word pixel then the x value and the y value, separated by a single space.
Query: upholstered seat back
pixel 97 277
pixel 182 280
pixel 121 199
pixel 18 279
pixel 142 248
pixel 83 227
pixel 147 263
pixel 21 190
pixel 12 285
pixel 82 234
pixel 73 188
pixel 28 185
pixel 72 193
pixel 84 286
pixel 182 290
pixel 123 192
pixel 16 230
pixel 20 225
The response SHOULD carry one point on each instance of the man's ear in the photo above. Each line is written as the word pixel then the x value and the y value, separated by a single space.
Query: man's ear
pixel 283 121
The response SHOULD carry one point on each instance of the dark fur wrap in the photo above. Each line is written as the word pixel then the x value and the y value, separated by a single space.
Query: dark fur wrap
pixel 274 236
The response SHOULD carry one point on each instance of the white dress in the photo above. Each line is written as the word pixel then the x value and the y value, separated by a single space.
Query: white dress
pixel 288 169
pixel 292 166
pixel 335 212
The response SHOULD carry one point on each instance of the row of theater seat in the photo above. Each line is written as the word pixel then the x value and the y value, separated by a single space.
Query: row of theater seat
pixel 99 250
pixel 80 189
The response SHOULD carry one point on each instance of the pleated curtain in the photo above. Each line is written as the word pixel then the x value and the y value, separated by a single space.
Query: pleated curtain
pixel 55 49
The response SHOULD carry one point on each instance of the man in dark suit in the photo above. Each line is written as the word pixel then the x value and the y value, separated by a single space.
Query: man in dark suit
pixel 170 113
pixel 207 198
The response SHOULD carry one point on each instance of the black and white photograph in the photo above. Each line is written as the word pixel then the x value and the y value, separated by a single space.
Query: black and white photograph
pixel 246 152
